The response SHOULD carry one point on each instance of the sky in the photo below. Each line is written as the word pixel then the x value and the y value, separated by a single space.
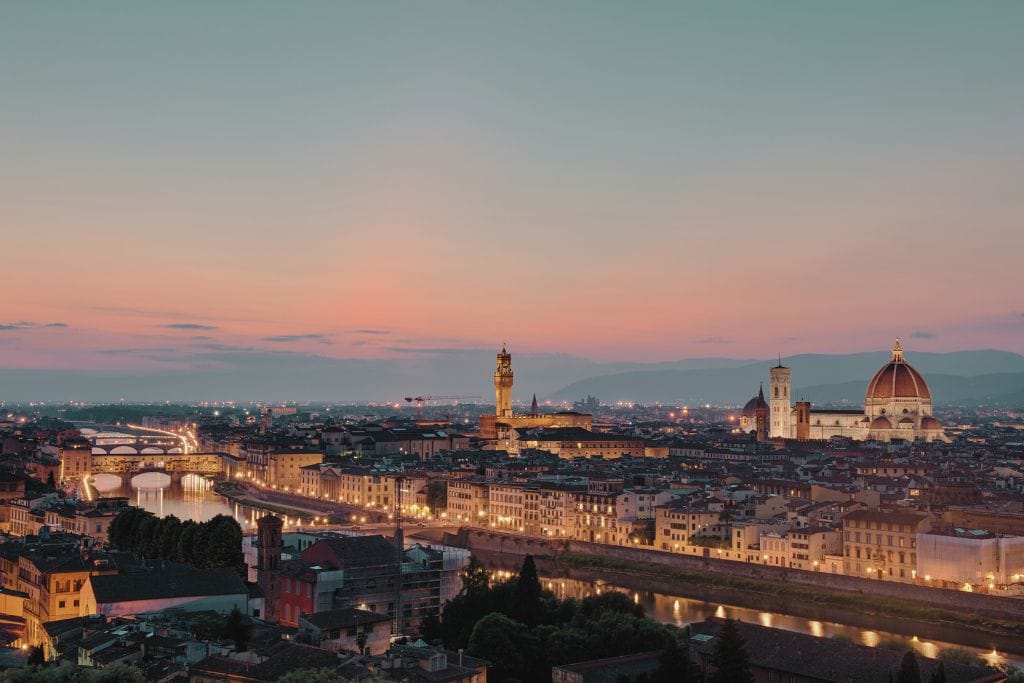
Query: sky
pixel 617 181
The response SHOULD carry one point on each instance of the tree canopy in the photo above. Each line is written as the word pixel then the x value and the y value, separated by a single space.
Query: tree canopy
pixel 524 630
pixel 213 544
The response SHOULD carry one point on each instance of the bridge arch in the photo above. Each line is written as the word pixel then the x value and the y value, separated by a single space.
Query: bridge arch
pixel 151 480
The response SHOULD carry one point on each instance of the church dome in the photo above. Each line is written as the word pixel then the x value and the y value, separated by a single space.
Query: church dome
pixel 897 380
pixel 881 423
pixel 750 410
pixel 930 422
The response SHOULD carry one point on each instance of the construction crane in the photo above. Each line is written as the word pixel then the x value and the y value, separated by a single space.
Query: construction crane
pixel 420 399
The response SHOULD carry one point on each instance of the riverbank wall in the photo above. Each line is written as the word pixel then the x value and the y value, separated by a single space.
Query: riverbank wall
pixel 997 607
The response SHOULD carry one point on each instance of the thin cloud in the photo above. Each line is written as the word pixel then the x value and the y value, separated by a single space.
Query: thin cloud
pixel 125 310
pixel 190 326
pixel 28 325
pixel 371 331
pixel 435 350
pixel 136 351
pixel 921 334
pixel 285 338
pixel 712 340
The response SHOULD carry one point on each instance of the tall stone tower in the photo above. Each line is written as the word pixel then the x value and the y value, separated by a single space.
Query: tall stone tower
pixel 268 561
pixel 779 402
pixel 503 385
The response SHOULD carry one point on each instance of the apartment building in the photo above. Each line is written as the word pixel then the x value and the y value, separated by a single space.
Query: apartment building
pixel 882 543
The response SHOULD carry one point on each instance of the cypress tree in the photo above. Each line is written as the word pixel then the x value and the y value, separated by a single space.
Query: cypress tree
pixel 730 657
pixel 526 598
pixel 910 671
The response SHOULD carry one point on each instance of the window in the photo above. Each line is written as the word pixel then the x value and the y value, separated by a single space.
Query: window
pixel 62 604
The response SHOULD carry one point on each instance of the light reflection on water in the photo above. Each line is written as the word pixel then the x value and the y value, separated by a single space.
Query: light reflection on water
pixel 191 498
pixel 679 610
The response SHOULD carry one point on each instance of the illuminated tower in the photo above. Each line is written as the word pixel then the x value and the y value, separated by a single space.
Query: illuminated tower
pixel 779 402
pixel 503 385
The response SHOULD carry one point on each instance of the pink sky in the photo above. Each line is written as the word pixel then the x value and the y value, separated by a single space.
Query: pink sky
pixel 615 185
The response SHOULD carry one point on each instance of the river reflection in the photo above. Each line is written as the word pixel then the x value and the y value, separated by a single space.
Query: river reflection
pixel 190 498
pixel 680 610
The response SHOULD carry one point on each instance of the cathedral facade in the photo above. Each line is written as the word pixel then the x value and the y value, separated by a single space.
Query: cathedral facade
pixel 897 405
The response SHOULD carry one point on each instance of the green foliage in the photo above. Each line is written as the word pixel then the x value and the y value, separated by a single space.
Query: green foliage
pixel 910 670
pixel 36 656
pixel 68 673
pixel 486 620
pixel 207 627
pixel 510 647
pixel 961 656
pixel 674 664
pixel 324 676
pixel 730 657
pixel 527 594
pixel 437 495
pixel 237 630
pixel 1014 675
pixel 213 544
pixel 475 577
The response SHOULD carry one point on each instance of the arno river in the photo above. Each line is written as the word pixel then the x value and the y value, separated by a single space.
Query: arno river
pixel 194 499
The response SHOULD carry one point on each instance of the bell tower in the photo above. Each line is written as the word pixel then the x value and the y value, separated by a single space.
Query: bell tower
pixel 503 385
pixel 268 562
pixel 779 402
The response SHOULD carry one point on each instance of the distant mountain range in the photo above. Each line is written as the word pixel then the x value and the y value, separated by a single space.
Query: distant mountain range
pixel 964 377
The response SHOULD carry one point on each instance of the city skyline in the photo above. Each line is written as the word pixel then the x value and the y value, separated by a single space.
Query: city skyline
pixel 372 182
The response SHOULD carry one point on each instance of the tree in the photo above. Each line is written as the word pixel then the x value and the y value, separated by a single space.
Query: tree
pixel 51 481
pixel 732 663
pixel 475 577
pixel 526 597
pixel 36 657
pixel 910 670
pixel 507 644
pixel 224 544
pixel 237 630
pixel 311 676
pixel 145 541
pixel 437 495
pixel 939 674
pixel 674 665
pixel 183 552
pixel 168 533
pixel 430 629
pixel 69 673
pixel 610 601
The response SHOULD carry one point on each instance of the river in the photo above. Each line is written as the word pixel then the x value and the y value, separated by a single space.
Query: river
pixel 681 610
pixel 193 498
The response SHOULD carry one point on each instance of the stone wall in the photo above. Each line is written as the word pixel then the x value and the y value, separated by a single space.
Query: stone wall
pixel 973 603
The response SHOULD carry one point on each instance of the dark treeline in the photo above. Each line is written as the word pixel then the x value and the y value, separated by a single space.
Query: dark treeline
pixel 524 631
pixel 216 543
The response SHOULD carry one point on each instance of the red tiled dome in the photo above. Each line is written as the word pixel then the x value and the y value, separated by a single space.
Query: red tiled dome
pixel 881 423
pixel 930 422
pixel 750 410
pixel 897 379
